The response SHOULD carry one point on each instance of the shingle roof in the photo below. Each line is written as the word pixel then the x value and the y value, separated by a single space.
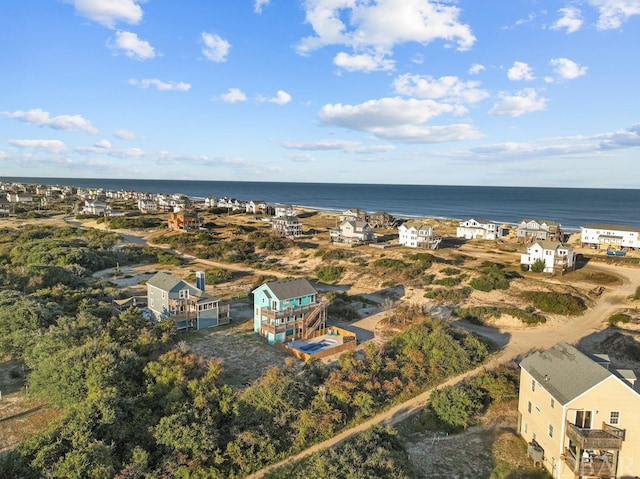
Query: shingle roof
pixel 166 282
pixel 291 288
pixel 564 371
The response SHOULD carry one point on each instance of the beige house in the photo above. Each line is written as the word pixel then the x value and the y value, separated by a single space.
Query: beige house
pixel 352 232
pixel 579 415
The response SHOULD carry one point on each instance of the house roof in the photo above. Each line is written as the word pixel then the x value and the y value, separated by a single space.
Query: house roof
pixel 564 372
pixel 552 245
pixel 600 226
pixel 478 220
pixel 549 223
pixel 166 282
pixel 291 288
pixel 419 225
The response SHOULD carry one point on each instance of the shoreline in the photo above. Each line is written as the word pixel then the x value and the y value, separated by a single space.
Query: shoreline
pixel 571 208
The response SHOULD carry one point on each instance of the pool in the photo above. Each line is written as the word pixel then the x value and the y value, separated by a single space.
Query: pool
pixel 315 347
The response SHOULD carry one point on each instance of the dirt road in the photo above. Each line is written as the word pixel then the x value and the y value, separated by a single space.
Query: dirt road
pixel 515 344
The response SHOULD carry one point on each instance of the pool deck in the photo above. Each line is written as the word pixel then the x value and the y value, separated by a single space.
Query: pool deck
pixel 339 340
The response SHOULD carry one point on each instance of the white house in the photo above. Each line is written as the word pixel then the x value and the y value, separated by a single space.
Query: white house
pixel 148 206
pixel 557 258
pixel 603 236
pixel 352 232
pixel 95 207
pixel 284 210
pixel 478 229
pixel 256 207
pixel 416 234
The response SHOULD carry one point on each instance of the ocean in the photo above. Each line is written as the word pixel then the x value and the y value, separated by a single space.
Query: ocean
pixel 571 207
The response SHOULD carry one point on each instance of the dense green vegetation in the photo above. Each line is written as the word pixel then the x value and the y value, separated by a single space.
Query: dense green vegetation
pixel 454 408
pixel 139 409
pixel 133 222
pixel 557 303
pixel 493 277
pixel 329 273
pixel 375 453
pixel 213 276
pixel 452 295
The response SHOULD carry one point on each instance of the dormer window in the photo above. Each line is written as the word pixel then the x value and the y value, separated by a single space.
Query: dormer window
pixel 183 294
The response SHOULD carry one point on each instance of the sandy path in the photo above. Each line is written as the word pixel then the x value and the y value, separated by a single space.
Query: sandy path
pixel 518 344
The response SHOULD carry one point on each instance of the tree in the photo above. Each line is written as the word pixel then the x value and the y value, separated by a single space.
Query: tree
pixel 538 266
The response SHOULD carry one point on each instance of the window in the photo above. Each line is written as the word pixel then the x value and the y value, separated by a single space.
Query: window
pixel 529 407
pixel 151 303
pixel 614 417
pixel 550 430
pixel 553 403
pixel 525 427
pixel 533 384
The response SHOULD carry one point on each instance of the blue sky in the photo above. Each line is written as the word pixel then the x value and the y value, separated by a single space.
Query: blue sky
pixel 466 92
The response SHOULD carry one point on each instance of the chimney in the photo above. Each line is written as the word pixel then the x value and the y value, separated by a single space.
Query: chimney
pixel 200 280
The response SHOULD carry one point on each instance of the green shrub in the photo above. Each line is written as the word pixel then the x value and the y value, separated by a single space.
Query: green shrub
pixel 556 303
pixel 527 317
pixel 477 314
pixel 636 296
pixel 447 282
pixel 537 266
pixel 450 271
pixel 390 264
pixel 619 318
pixel 450 295
pixel 427 279
pixel 329 273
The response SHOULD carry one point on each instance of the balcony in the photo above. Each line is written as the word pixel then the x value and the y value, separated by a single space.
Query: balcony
pixel 609 437
pixel 593 466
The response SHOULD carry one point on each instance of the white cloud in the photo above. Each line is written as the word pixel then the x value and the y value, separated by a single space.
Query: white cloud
pixel 258 4
pixel 160 85
pixel 520 71
pixel 281 98
pixel 476 68
pixel 363 62
pixel 429 134
pixel 132 46
pixel 109 12
pixel 383 113
pixel 571 20
pixel 338 145
pixel 215 48
pixel 567 69
pixel 399 119
pixel 447 88
pixel 106 144
pixel 302 158
pixel 234 95
pixel 525 101
pixel 50 146
pixel 124 134
pixel 613 13
pixel 40 117
pixel 362 24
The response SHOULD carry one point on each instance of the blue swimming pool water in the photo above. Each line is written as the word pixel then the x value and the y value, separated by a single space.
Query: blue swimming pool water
pixel 315 347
